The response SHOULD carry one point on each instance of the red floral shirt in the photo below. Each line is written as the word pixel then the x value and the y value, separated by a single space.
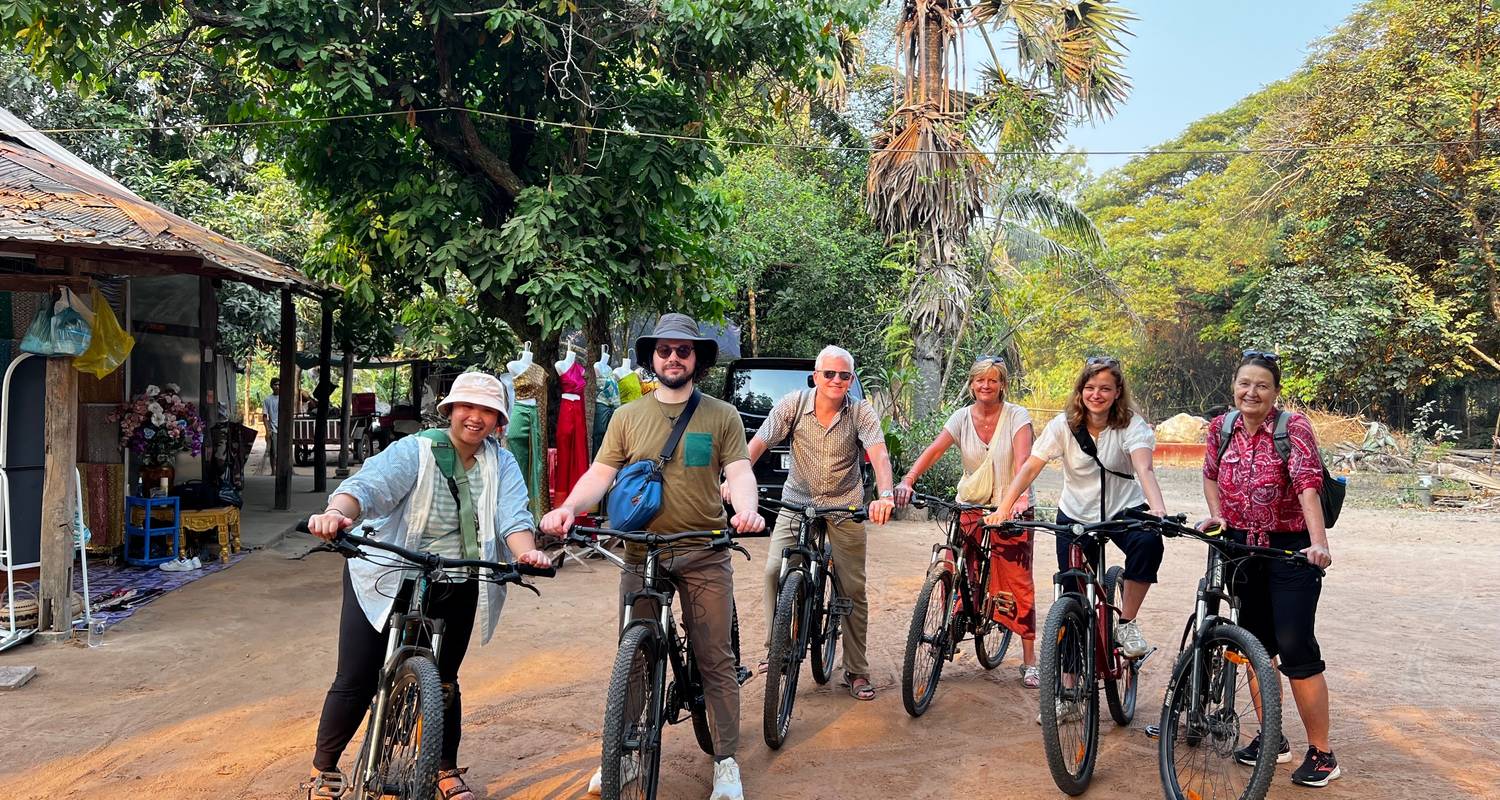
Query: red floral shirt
pixel 1257 493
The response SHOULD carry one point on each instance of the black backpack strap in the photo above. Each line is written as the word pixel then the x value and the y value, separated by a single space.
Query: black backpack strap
pixel 1090 449
pixel 670 448
pixel 1226 431
pixel 1281 438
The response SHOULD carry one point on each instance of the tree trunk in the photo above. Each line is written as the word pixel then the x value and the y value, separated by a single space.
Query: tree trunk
pixel 927 354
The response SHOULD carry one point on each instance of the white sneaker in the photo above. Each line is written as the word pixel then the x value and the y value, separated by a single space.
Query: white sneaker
pixel 177 565
pixel 596 783
pixel 1067 711
pixel 1132 643
pixel 197 564
pixel 727 781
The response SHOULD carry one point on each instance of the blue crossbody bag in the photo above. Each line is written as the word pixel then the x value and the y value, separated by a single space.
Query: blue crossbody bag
pixel 635 498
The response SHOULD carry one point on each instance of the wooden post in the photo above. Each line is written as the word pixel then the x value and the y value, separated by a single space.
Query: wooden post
pixel 346 407
pixel 58 537
pixel 320 396
pixel 290 394
pixel 208 374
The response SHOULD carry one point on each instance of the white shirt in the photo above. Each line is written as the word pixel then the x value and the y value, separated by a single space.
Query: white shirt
pixel 975 451
pixel 1080 494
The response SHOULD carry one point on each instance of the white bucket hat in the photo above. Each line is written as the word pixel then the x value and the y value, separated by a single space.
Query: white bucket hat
pixel 480 389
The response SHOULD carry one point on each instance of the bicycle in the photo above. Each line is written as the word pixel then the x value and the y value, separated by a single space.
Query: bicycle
pixel 1080 626
pixel 404 737
pixel 810 607
pixel 640 698
pixel 958 577
pixel 1203 711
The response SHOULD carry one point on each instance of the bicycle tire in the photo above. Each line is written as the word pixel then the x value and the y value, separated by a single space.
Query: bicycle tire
pixel 1119 694
pixel 784 664
pixel 825 631
pixel 414 711
pixel 633 713
pixel 1213 738
pixel 1068 645
pixel 929 625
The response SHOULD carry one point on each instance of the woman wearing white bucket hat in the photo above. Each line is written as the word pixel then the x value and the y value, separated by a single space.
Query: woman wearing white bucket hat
pixel 410 500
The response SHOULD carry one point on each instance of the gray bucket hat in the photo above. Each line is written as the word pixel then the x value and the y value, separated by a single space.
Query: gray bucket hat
pixel 677 326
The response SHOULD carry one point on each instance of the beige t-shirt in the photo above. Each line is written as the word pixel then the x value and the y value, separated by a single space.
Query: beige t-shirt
pixel 975 451
pixel 690 483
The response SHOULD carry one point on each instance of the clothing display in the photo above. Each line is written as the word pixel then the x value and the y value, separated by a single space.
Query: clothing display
pixel 605 403
pixel 523 436
pixel 630 388
pixel 572 433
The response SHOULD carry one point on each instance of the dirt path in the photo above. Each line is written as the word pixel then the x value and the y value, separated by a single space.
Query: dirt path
pixel 213 691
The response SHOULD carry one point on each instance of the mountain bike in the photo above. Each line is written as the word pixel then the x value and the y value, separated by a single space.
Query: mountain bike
pixel 1224 688
pixel 404 735
pixel 954 603
pixel 810 609
pixel 1079 651
pixel 655 676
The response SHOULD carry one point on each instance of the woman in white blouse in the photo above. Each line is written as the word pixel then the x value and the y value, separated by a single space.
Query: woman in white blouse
pixel 994 438
pixel 1102 486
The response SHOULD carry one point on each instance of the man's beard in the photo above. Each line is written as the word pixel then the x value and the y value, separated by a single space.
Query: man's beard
pixel 678 382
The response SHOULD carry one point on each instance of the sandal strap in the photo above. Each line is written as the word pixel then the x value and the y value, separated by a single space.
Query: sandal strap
pixel 457 788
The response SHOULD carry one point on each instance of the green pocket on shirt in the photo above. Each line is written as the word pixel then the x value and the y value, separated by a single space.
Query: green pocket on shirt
pixel 698 449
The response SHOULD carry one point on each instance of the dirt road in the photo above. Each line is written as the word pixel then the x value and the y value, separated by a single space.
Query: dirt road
pixel 213 691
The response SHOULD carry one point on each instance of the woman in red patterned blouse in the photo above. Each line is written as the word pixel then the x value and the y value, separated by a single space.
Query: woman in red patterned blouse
pixel 1259 499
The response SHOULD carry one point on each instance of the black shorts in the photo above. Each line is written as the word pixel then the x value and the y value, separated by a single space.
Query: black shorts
pixel 1279 604
pixel 1143 551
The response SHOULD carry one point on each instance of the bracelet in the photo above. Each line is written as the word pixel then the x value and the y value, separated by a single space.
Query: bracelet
pixel 336 511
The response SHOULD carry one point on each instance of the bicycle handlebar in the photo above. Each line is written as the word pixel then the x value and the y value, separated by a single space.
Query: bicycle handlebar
pixel 1173 526
pixel 348 544
pixel 856 513
pixel 919 500
pixel 720 539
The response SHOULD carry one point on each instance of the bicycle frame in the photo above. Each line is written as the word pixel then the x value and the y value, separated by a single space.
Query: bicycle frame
pixel 1112 666
pixel 954 553
pixel 401 643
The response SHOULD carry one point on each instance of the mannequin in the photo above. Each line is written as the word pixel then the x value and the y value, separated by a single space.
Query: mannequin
pixel 568 359
pixel 629 381
pixel 601 367
pixel 523 434
pixel 522 362
pixel 624 368
pixel 572 430
pixel 606 401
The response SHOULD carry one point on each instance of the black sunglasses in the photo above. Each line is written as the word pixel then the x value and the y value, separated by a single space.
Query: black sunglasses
pixel 1107 361
pixel 997 359
pixel 1264 355
pixel 830 374
pixel 682 350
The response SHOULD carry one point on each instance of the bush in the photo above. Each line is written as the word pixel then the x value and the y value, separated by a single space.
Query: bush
pixel 941 479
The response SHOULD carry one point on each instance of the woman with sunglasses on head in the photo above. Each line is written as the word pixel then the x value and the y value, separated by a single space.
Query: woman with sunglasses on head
pixel 1261 497
pixel 994 438
pixel 1117 476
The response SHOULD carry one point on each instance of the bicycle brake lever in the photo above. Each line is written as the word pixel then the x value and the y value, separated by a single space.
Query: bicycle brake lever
pixel 533 589
pixel 742 550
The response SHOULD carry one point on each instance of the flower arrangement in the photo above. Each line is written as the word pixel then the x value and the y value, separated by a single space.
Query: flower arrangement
pixel 158 424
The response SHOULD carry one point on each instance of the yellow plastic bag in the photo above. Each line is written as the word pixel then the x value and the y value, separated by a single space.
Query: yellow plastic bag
pixel 110 344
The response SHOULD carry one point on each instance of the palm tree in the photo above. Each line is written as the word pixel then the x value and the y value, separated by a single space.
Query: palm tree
pixel 927 182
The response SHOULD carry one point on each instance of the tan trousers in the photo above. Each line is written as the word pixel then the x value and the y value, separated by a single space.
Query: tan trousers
pixel 848 540
pixel 704 583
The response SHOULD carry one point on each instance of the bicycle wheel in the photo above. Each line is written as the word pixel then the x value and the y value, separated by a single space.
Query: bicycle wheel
pixel 825 631
pixel 412 741
pixel 1199 735
pixel 1119 693
pixel 631 761
pixel 1069 695
pixel 784 663
pixel 927 642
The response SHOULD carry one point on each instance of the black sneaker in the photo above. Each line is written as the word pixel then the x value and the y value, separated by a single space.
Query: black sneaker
pixel 1317 769
pixel 1250 753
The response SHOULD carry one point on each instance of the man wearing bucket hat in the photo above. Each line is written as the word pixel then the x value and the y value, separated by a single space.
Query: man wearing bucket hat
pixel 453 492
pixel 713 442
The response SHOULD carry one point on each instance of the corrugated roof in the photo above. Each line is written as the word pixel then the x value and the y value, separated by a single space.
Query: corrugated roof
pixel 48 195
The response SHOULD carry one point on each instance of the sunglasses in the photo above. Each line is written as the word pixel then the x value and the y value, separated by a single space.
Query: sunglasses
pixel 682 350
pixel 830 374
pixel 997 359
pixel 1264 355
pixel 1104 361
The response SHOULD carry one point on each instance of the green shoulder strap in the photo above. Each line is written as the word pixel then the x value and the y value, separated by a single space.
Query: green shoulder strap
pixel 458 484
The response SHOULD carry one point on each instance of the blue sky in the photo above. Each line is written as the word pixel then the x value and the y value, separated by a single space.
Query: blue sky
pixel 1188 59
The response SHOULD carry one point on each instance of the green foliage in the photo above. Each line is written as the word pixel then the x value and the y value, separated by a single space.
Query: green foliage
pixel 941 479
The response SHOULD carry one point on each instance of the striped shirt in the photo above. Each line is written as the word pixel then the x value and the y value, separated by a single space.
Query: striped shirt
pixel 443 536
pixel 825 461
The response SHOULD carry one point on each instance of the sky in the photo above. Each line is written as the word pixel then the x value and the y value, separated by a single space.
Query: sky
pixel 1190 58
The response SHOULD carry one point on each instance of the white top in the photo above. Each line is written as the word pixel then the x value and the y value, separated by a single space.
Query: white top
pixel 1080 493
pixel 975 451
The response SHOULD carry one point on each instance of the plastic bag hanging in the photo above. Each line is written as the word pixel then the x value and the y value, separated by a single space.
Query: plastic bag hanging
pixel 110 345
pixel 59 329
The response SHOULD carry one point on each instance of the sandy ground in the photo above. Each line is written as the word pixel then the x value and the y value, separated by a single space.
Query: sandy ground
pixel 213 691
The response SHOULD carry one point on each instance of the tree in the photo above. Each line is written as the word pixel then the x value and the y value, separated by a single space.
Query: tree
pixel 491 161
pixel 928 183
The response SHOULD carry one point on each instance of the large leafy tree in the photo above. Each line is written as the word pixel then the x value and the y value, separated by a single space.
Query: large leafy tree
pixel 490 164
pixel 928 184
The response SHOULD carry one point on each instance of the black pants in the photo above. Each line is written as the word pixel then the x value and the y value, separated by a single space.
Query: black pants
pixel 361 651
pixel 1279 604
pixel 1143 552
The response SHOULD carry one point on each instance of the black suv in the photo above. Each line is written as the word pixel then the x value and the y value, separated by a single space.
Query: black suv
pixel 754 386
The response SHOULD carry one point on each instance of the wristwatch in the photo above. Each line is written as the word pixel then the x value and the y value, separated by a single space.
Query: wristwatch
pixel 886 494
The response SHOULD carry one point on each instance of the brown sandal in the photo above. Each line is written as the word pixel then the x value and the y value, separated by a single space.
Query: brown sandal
pixel 456 789
pixel 859 691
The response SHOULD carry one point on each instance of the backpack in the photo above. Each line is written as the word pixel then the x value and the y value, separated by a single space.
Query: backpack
pixel 1332 495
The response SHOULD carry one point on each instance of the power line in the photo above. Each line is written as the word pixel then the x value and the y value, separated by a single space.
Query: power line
pixel 681 137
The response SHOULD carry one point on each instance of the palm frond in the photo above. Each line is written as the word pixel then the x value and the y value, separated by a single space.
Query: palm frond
pixel 1034 204
pixel 926 179
pixel 1021 243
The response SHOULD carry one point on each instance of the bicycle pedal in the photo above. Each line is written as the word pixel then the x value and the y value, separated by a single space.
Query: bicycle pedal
pixel 1141 659
pixel 1152 731
pixel 841 606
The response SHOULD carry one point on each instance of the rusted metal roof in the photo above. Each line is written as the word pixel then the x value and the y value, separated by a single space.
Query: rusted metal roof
pixel 47 199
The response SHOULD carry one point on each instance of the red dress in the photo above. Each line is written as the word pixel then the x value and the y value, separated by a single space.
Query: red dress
pixel 1010 583
pixel 572 435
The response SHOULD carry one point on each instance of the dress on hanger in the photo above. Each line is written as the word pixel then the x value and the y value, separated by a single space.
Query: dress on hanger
pixel 605 403
pixel 572 434
pixel 523 437
pixel 630 388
